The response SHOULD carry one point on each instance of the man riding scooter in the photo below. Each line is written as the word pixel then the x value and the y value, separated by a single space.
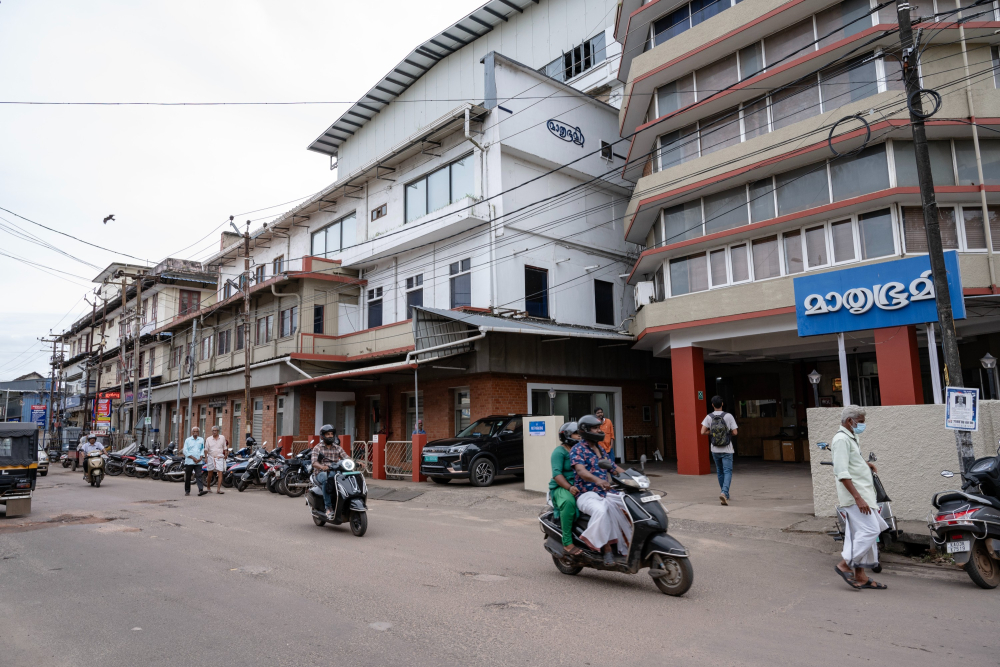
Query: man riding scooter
pixel 91 446
pixel 325 454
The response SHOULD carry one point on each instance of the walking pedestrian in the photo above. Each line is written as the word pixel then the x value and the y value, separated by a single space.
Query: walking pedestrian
pixel 194 457
pixel 857 504
pixel 608 444
pixel 720 426
pixel 419 428
pixel 215 450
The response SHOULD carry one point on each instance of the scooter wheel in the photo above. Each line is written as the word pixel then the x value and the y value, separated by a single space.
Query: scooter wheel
pixel 241 486
pixel 981 568
pixel 319 522
pixel 97 483
pixel 359 523
pixel 674 576
pixel 565 568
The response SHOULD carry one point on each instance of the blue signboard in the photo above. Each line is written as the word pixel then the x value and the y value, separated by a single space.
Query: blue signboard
pixel 536 428
pixel 38 414
pixel 874 296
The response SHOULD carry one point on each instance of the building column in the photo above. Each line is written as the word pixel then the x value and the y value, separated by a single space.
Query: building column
pixel 419 441
pixel 899 364
pixel 378 456
pixel 690 407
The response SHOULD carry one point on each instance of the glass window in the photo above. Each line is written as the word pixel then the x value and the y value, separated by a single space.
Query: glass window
pixel 793 104
pixel 816 247
pixel 888 14
pixel 948 227
pixel 726 210
pixel 720 131
pixel 858 175
pixel 438 185
pixel 413 298
pixel 416 200
pixel 906 164
pixel 461 178
pixel 671 25
pixel 876 234
pixel 765 258
pixel 975 234
pixel 683 222
pixel 990 151
pixel 913 229
pixel 994 212
pixel 658 285
pixel 463 409
pixel 717 263
pixel 848 81
pixel 675 95
pixel 843 20
pixel 318 243
pixel 348 231
pixel 604 302
pixel 719 75
pixel 658 233
pixel 965 158
pixel 333 238
pixel 802 188
pixel 536 292
pixel 461 283
pixel 702 10
pixel 688 274
pixel 751 60
pixel 755 119
pixel 793 252
pixel 318 319
pixel 791 40
pixel 678 146
pixel 738 260
pixel 375 313
pixel 762 200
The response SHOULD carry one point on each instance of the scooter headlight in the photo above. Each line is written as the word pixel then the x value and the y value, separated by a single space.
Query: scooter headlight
pixel 347 465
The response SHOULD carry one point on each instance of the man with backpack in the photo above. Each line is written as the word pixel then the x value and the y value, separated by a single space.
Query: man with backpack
pixel 720 426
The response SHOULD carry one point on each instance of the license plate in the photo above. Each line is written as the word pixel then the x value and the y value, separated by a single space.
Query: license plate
pixel 649 499
pixel 431 459
pixel 954 547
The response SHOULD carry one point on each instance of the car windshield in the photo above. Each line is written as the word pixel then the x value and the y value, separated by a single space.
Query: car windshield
pixel 483 427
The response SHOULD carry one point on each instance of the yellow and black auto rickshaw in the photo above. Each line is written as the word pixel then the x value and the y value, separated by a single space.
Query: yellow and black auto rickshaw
pixel 18 466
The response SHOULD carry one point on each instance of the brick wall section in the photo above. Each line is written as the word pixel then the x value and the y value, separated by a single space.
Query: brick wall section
pixel 267 430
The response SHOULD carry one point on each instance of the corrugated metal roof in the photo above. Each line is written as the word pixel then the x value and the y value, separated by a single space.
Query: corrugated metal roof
pixel 419 61
pixel 522 325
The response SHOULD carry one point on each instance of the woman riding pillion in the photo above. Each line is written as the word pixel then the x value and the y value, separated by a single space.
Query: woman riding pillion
pixel 609 519
pixel 562 488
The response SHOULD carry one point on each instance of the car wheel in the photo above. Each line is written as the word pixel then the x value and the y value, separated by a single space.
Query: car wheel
pixel 482 472
pixel 441 480
pixel 45 473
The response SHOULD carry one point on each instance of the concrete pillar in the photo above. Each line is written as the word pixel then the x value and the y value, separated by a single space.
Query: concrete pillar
pixel 378 456
pixel 690 408
pixel 899 366
pixel 419 442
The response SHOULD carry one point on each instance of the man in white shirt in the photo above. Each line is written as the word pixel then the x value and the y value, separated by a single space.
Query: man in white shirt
pixel 215 450
pixel 720 426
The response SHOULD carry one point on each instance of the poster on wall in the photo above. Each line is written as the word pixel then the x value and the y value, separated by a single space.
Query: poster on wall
pixel 536 428
pixel 38 414
pixel 961 409
pixel 103 410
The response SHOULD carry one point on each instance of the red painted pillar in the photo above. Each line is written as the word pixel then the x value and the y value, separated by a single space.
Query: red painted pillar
pixel 899 366
pixel 688 371
pixel 378 457
pixel 419 442
pixel 285 442
pixel 345 443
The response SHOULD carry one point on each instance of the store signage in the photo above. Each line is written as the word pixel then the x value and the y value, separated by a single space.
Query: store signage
pixel 103 410
pixel 574 135
pixel 111 394
pixel 961 409
pixel 38 414
pixel 874 296
pixel 536 428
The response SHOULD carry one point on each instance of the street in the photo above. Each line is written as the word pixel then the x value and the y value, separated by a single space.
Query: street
pixel 136 573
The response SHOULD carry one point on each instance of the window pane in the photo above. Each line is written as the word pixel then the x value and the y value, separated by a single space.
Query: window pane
pixel 793 104
pixel 416 200
pixel 604 302
pixel 675 95
pixel 789 41
pixel 717 260
pixel 658 233
pixel 461 178
pixel 906 164
pixel 536 292
pixel 965 157
pixel 319 243
pixel 843 240
pixel 679 146
pixel 876 234
pixel 720 131
pixel 893 69
pixel 888 14
pixel 848 81
pixel 349 230
pixel 414 298
pixel 333 238
pixel 816 246
pixel 858 175
pixel 688 274
pixel 990 150
pixel 751 60
pixel 720 74
pixel 671 25
pixel 949 230
pixel 765 258
pixel 438 190
pixel 755 119
pixel 738 259
pixel 374 313
pixel 793 252
pixel 682 222
pixel 556 69
pixel 762 200
pixel 802 188
pixel 461 290
pixel 658 284
pixel 843 20
pixel 726 210
pixel 913 229
pixel 994 212
pixel 598 49
pixel 975 234
pixel 702 10
pixel 318 319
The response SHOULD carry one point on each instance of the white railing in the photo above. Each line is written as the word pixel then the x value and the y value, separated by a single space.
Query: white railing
pixel 399 459
pixel 361 452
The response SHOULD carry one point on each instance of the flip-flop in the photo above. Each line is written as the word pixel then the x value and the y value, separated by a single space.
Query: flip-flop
pixel 873 585
pixel 846 576
pixel 576 550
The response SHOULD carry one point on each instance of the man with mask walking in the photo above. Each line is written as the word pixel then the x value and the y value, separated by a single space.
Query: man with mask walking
pixel 856 500
pixel 324 455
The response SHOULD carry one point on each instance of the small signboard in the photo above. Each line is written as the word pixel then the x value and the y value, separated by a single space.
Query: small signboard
pixel 38 414
pixel 149 420
pixel 536 428
pixel 961 409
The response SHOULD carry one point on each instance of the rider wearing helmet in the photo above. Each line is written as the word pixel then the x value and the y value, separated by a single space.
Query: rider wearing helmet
pixel 562 490
pixel 325 454
pixel 609 519
pixel 91 446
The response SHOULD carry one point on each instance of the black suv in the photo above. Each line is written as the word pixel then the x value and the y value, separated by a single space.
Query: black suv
pixel 491 446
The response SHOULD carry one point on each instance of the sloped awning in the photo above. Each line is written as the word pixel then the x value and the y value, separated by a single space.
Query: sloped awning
pixel 435 326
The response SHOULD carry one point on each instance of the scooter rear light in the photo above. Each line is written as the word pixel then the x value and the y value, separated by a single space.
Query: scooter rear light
pixel 952 517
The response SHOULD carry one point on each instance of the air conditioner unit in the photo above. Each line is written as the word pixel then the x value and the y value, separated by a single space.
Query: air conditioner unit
pixel 645 292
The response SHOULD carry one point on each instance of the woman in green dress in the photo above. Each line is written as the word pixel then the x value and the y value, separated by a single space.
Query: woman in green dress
pixel 562 489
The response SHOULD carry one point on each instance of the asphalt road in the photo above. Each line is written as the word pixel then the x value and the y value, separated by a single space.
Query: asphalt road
pixel 134 573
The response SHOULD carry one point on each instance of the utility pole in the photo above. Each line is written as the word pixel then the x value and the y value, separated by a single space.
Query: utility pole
pixel 89 362
pixel 177 410
pixel 194 362
pixel 135 355
pixel 247 408
pixel 52 381
pixel 100 354
pixel 122 344
pixel 935 252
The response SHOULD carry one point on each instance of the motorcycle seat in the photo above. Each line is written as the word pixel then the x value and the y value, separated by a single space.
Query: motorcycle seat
pixel 581 524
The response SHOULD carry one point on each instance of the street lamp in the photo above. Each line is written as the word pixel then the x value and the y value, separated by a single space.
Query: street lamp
pixel 989 362
pixel 552 401
pixel 814 379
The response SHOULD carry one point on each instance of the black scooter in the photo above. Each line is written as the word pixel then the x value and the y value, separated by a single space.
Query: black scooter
pixel 351 497
pixel 967 522
pixel 651 546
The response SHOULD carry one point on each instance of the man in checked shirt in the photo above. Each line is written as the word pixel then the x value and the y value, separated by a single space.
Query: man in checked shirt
pixel 324 455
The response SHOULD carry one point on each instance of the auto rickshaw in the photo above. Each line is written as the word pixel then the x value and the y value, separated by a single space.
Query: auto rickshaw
pixel 18 466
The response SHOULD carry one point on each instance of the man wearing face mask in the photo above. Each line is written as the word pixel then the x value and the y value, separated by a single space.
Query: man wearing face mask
pixel 324 455
pixel 857 505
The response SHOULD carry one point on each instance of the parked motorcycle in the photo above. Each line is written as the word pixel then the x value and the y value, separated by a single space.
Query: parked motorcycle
pixel 93 468
pixel 256 468
pixel 351 497
pixel 651 545
pixel 295 476
pixel 967 522
pixel 116 460
pixel 887 536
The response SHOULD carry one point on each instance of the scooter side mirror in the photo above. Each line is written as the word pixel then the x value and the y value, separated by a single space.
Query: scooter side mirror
pixel 947 473
pixel 872 457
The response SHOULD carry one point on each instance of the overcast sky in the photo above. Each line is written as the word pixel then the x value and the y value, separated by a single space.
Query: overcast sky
pixel 170 175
